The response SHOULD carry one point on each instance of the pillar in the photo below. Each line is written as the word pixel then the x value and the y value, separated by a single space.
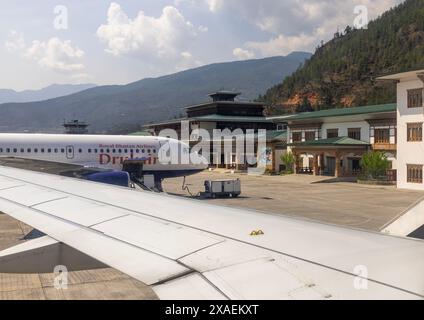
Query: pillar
pixel 316 173
pixel 338 169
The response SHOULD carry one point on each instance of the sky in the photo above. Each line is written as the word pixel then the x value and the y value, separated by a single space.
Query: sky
pixel 103 42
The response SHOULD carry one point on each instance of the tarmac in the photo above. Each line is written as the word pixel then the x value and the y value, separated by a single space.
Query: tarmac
pixel 306 197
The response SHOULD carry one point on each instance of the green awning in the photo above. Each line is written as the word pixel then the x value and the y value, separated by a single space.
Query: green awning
pixel 338 141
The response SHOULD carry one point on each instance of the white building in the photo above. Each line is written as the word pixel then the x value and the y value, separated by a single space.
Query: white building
pixel 410 119
pixel 332 142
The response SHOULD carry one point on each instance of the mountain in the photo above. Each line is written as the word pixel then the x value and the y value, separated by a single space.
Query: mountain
pixel 50 92
pixel 341 73
pixel 122 109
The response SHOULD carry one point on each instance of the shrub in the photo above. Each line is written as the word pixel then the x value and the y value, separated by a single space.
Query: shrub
pixel 375 164
pixel 288 160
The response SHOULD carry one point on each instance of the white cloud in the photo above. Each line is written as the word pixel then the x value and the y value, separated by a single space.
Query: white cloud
pixel 243 54
pixel 283 45
pixel 166 36
pixel 54 54
pixel 187 61
pixel 215 5
pixel 16 41
pixel 297 25
pixel 203 29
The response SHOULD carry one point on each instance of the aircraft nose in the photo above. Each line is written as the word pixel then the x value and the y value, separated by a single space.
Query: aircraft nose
pixel 201 162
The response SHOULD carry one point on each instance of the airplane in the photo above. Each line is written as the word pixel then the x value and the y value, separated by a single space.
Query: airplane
pixel 190 250
pixel 102 151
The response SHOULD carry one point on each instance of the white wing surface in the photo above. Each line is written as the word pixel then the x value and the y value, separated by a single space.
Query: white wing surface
pixel 187 249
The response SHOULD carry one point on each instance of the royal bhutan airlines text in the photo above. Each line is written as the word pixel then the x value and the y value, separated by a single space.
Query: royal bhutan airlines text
pixel 145 153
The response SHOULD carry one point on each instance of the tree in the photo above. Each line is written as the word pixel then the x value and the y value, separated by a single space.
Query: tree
pixel 288 160
pixel 375 164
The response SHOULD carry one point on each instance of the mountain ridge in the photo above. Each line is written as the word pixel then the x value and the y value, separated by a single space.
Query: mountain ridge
pixel 124 108
pixel 46 93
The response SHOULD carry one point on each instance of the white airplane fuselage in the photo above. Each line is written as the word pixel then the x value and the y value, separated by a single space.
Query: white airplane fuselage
pixel 97 151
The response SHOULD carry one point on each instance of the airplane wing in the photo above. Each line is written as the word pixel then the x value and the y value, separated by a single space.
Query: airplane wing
pixel 187 249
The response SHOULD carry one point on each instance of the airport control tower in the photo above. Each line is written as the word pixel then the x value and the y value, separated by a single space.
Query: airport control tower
pixel 75 127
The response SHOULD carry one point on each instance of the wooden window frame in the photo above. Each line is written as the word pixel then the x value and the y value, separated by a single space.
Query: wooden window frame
pixel 414 173
pixel 378 139
pixel 355 131
pixel 412 102
pixel 313 135
pixel 332 131
pixel 297 133
pixel 414 132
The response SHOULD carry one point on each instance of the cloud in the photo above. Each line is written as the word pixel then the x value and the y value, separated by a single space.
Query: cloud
pixel 54 54
pixel 242 54
pixel 166 36
pixel 16 41
pixel 294 24
pixel 215 5
pixel 187 61
pixel 282 45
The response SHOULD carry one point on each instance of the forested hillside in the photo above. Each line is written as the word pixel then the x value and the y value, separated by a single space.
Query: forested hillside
pixel 342 72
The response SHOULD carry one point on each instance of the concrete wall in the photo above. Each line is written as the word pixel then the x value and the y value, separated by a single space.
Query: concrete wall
pixel 408 152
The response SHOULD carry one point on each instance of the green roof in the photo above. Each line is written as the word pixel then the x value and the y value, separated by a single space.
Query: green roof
pixel 276 135
pixel 341 112
pixel 219 117
pixel 338 141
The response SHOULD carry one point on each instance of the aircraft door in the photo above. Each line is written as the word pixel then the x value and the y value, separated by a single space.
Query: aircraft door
pixel 70 153
pixel 164 151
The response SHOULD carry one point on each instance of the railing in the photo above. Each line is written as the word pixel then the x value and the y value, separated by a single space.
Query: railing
pixel 391 175
pixel 305 170
pixel 384 146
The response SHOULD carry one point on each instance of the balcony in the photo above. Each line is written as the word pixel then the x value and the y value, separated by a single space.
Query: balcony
pixel 384 146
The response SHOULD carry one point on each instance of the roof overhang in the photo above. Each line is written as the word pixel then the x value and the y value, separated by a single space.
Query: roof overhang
pixel 403 76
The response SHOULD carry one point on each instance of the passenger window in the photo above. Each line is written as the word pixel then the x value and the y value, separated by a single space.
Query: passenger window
pixel 143 151
pixel 148 150
pixel 137 151
pixel 120 151
pixel 35 150
pixel 8 150
pixel 62 150
pixel 42 150
pixel 89 150
pixel 80 150
pixel 29 150
pixel 95 150
pixel 102 151
pixel 1 150
pixel 107 150
pixel 49 150
pixel 126 151
pixel 22 150
pixel 15 150
pixel 56 150
pixel 114 151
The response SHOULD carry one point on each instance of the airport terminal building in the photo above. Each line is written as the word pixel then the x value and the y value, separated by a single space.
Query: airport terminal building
pixel 326 142
pixel 410 119
pixel 332 142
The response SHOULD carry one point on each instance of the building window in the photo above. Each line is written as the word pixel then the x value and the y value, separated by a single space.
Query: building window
pixel 310 135
pixel 415 173
pixel 415 98
pixel 281 127
pixel 354 133
pixel 297 136
pixel 415 132
pixel 382 136
pixel 332 133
